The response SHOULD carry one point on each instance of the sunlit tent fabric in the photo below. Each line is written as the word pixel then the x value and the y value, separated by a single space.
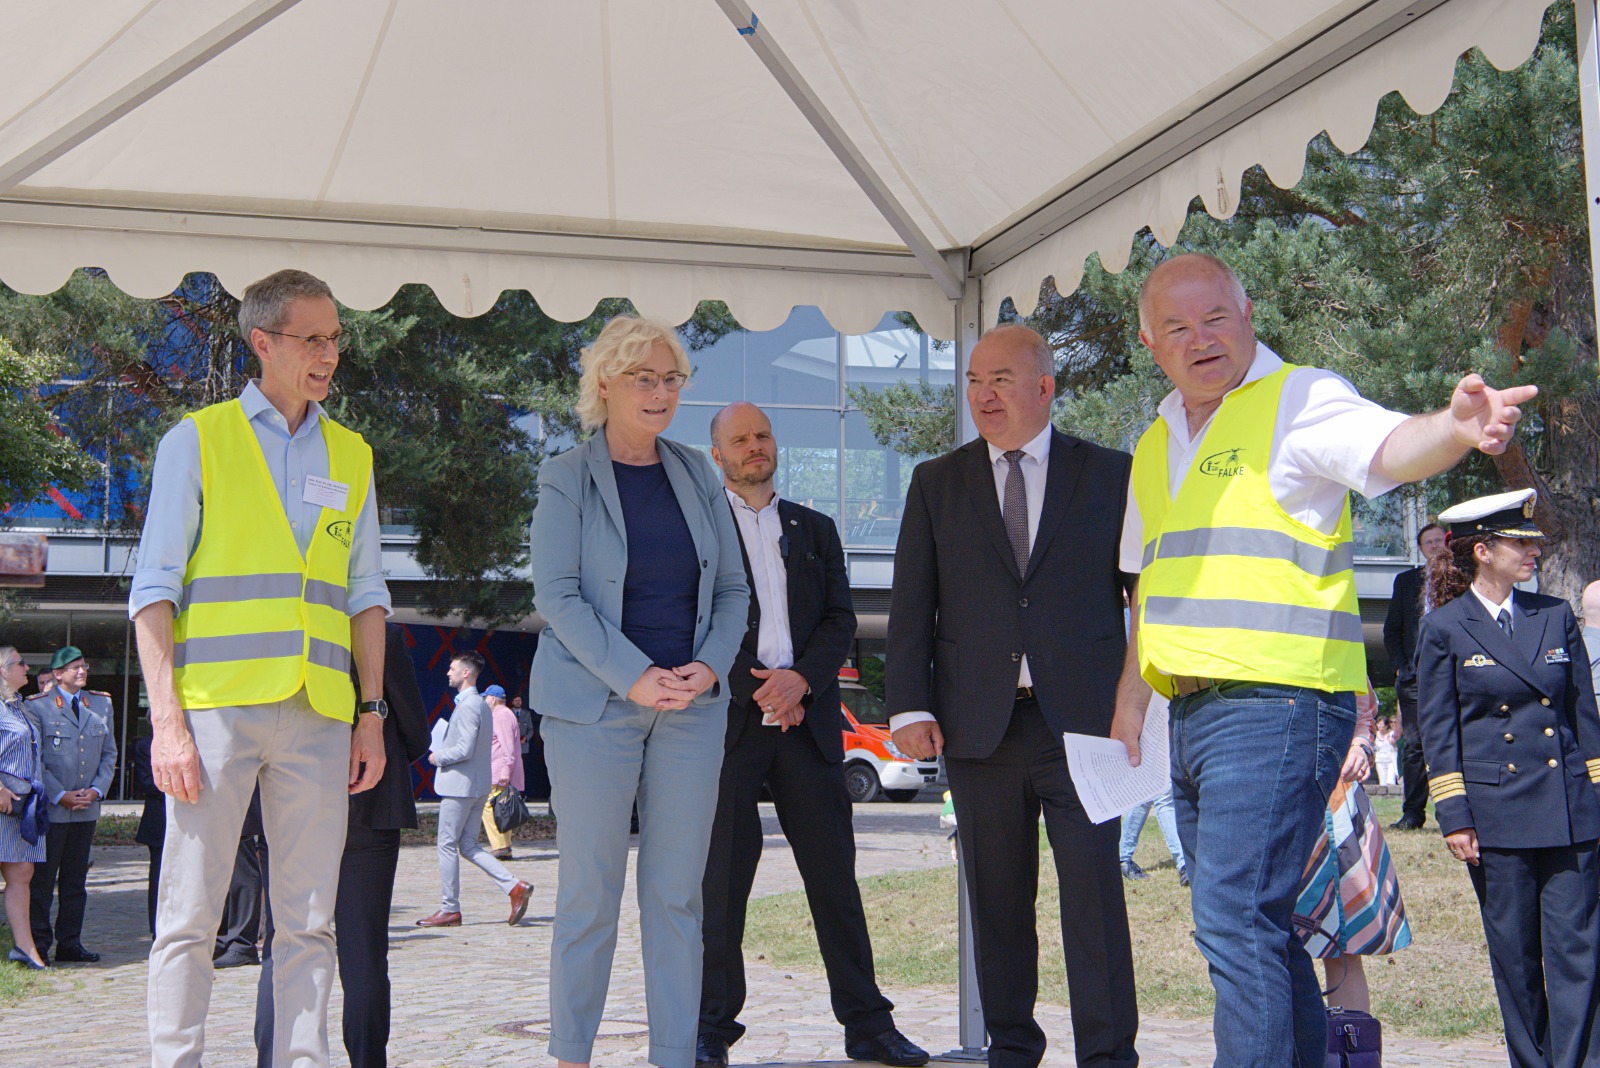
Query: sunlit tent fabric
pixel 673 151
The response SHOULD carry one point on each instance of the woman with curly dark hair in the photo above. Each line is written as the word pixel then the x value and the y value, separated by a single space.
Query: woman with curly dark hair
pixel 1510 727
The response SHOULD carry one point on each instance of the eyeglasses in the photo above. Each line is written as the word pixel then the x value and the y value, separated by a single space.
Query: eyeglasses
pixel 317 342
pixel 649 380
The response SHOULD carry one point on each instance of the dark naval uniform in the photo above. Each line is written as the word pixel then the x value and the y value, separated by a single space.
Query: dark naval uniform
pixel 78 752
pixel 1512 738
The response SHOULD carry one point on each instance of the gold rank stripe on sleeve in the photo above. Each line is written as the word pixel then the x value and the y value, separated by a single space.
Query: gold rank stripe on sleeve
pixel 1594 770
pixel 1443 787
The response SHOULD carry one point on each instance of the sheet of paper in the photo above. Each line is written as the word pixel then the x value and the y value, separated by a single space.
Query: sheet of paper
pixel 436 735
pixel 1106 783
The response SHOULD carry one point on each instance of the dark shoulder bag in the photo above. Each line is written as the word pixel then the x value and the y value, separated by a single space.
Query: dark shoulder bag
pixel 510 812
pixel 1355 1039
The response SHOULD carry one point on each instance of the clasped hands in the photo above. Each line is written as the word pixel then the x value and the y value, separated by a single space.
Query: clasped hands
pixel 73 800
pixel 672 689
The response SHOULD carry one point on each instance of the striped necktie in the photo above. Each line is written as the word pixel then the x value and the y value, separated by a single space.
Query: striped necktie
pixel 1016 511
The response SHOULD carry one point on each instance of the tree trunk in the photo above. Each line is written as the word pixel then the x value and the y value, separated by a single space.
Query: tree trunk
pixel 1569 502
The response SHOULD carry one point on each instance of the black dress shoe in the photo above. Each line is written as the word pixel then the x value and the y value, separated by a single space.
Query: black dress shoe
pixel 76 955
pixel 886 1047
pixel 710 1051
pixel 1407 823
pixel 236 957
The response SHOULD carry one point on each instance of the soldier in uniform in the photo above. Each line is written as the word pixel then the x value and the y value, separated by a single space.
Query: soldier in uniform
pixel 1512 739
pixel 80 755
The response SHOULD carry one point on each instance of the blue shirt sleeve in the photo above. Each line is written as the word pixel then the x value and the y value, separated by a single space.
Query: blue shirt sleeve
pixel 171 520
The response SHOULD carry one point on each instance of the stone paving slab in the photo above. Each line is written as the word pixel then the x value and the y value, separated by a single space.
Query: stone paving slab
pixel 476 995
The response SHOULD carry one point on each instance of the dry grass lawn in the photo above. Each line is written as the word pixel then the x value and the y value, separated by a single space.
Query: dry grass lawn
pixel 1439 987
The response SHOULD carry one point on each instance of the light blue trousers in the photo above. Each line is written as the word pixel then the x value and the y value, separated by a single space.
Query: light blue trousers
pixel 1166 817
pixel 670 762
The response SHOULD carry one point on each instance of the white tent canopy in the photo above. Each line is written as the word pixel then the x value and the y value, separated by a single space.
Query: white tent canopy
pixel 859 155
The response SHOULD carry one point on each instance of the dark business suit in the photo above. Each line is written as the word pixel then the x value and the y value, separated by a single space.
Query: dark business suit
pixel 960 621
pixel 804 769
pixel 1513 743
pixel 152 830
pixel 1400 628
pixel 366 873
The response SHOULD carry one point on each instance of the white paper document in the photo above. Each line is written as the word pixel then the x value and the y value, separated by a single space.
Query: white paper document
pixel 1106 783
pixel 437 733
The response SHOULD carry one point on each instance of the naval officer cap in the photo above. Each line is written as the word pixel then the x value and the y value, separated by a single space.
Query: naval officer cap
pixel 1509 515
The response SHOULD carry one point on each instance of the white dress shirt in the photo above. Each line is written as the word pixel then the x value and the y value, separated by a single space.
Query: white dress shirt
pixel 1322 447
pixel 1493 609
pixel 762 533
pixel 1035 465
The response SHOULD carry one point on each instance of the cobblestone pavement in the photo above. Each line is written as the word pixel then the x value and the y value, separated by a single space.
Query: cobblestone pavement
pixel 475 995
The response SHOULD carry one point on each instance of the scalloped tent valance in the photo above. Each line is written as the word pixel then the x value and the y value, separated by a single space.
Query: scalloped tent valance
pixel 858 156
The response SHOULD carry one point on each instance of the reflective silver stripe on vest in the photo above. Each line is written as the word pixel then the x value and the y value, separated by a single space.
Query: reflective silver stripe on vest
pixel 1149 555
pixel 1253 615
pixel 325 593
pixel 328 655
pixel 221 589
pixel 1263 544
pixel 228 647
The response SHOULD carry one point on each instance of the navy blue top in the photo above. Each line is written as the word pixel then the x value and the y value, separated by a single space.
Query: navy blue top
pixel 661 592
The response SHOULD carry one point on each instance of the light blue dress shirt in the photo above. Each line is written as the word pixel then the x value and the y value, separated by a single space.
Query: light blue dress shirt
pixel 172 522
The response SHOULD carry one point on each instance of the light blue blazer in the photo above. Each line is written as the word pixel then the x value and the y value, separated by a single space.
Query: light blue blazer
pixel 463 769
pixel 579 548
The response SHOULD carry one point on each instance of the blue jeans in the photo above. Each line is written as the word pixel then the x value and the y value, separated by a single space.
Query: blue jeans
pixel 1252 767
pixel 1133 825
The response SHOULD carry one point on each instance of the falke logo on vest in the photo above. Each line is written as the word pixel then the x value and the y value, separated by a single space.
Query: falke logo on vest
pixel 1224 464
pixel 341 532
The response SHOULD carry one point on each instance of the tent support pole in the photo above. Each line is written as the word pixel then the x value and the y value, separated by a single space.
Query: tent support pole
pixel 115 105
pixel 839 143
pixel 1589 97
pixel 969 321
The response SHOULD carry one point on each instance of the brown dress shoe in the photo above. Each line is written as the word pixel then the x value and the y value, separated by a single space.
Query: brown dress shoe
pixel 519 901
pixel 441 919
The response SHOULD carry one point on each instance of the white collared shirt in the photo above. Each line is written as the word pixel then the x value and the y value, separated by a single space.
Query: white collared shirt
pixel 762 533
pixel 1035 469
pixel 1493 609
pixel 1322 447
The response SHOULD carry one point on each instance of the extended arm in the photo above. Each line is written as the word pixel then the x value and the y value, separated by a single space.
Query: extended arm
pixel 1479 417
pixel 174 761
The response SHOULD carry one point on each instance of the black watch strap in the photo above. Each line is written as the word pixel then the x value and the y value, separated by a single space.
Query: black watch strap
pixel 380 707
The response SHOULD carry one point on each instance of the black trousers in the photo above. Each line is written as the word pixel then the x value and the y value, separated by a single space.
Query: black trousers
pixel 815 813
pixel 242 911
pixel 1541 917
pixel 153 885
pixel 997 804
pixel 1413 768
pixel 361 924
pixel 64 874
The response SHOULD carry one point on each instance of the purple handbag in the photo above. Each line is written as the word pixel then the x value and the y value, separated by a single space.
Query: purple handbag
pixel 1355 1039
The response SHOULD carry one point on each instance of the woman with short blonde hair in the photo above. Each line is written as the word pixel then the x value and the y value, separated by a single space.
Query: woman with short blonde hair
pixel 638 571
pixel 623 344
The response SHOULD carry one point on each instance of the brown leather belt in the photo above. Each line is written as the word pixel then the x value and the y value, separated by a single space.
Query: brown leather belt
pixel 1024 693
pixel 1184 685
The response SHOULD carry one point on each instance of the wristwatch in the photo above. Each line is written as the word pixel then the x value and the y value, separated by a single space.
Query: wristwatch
pixel 379 708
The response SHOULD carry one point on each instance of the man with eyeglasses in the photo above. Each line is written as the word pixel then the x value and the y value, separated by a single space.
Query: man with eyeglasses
pixel 79 756
pixel 259 582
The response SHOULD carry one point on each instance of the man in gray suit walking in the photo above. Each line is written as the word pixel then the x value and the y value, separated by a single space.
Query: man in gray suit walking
pixel 461 754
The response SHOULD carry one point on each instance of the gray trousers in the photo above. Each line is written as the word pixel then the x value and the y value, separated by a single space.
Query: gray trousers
pixel 669 762
pixel 302 760
pixel 459 820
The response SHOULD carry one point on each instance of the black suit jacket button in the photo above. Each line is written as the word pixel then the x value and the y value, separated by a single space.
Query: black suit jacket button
pixel 1022 603
pixel 1015 657
pixel 705 563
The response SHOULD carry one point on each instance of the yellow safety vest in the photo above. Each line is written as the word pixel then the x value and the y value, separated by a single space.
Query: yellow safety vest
pixel 1232 586
pixel 258 621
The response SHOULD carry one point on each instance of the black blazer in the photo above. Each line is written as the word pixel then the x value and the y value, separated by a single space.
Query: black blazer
pixel 1509 726
pixel 822 626
pixel 1401 624
pixel 960 618
pixel 152 830
pixel 391 804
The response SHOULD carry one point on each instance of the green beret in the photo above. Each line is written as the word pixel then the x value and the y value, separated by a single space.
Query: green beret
pixel 64 657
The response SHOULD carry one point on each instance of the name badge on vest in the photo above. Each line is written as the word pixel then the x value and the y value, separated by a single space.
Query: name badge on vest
pixel 326 493
pixel 1557 656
